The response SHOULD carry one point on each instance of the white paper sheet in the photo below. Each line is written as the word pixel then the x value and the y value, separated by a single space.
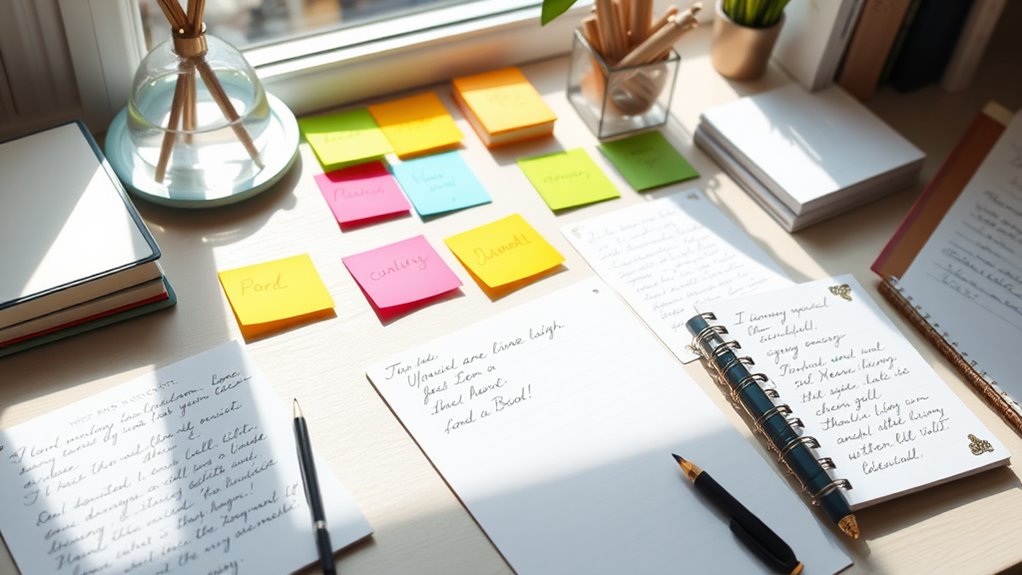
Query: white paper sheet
pixel 554 424
pixel 876 407
pixel 666 255
pixel 191 469
pixel 968 276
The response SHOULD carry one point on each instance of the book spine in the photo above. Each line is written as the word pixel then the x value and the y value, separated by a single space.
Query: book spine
pixel 971 44
pixel 750 392
pixel 987 388
pixel 871 43
pixel 928 44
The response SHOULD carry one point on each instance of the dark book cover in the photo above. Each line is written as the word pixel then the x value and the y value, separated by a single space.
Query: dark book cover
pixel 928 43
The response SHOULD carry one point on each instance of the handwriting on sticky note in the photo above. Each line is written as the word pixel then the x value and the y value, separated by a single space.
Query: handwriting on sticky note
pixel 504 251
pixel 648 160
pixel 568 179
pixel 401 273
pixel 440 183
pixel 417 124
pixel 344 138
pixel 275 290
pixel 362 192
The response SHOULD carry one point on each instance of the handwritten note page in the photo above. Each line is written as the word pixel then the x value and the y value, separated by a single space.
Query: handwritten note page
pixel 277 294
pixel 344 138
pixel 191 469
pixel 417 124
pixel 363 192
pixel 554 424
pixel 401 273
pixel 666 255
pixel 968 276
pixel 874 404
pixel 440 183
pixel 568 179
pixel 648 161
pixel 505 251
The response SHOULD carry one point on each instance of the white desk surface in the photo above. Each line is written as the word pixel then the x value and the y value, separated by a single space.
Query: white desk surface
pixel 969 526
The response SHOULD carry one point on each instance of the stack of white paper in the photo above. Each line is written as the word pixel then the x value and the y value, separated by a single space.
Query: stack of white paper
pixel 806 157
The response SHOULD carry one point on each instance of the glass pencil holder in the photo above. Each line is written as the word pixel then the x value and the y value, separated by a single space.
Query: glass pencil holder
pixel 616 101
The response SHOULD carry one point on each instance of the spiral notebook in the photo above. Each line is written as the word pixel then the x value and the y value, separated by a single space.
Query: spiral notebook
pixel 861 394
pixel 954 267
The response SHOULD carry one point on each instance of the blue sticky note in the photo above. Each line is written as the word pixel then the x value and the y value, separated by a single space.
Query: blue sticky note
pixel 439 183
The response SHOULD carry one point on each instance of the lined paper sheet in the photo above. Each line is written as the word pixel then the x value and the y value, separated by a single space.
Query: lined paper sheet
pixel 190 469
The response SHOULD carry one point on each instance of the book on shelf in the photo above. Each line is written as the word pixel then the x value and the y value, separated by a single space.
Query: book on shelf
pixel 954 266
pixel 805 156
pixel 928 44
pixel 832 364
pixel 813 39
pixel 503 107
pixel 76 252
pixel 972 43
pixel 870 45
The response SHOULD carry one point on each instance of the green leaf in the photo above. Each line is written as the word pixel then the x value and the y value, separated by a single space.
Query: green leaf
pixel 554 8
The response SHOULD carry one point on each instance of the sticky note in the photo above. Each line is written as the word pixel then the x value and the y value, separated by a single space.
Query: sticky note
pixel 568 179
pixel 401 273
pixel 503 107
pixel 362 192
pixel 440 183
pixel 417 125
pixel 275 295
pixel 345 138
pixel 648 161
pixel 504 251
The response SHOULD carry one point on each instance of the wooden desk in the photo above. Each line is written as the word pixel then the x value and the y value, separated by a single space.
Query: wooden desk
pixel 970 526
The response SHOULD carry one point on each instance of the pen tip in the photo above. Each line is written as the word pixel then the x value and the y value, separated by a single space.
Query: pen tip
pixel 295 408
pixel 798 569
pixel 677 457
pixel 850 526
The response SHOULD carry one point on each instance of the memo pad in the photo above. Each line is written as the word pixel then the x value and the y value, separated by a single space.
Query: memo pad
pixel 275 295
pixel 648 161
pixel 504 251
pixel 400 273
pixel 568 179
pixel 345 138
pixel 417 125
pixel 361 193
pixel 440 183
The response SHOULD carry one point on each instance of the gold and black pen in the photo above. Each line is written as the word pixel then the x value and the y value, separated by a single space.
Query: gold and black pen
pixel 759 538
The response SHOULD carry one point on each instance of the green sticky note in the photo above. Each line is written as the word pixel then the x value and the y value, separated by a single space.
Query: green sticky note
pixel 346 138
pixel 648 161
pixel 568 179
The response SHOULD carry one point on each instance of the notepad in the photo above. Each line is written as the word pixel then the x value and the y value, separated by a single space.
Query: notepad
pixel 344 138
pixel 503 107
pixel 417 125
pixel 568 179
pixel 873 404
pixel 275 295
pixel 554 422
pixel 191 468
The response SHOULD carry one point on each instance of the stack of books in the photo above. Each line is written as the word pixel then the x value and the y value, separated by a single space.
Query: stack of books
pixel 805 156
pixel 76 254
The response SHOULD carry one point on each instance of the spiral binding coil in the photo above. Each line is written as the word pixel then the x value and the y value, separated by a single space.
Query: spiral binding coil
pixel 761 380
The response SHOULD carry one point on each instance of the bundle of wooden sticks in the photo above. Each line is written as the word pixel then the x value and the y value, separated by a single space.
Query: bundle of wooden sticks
pixel 624 33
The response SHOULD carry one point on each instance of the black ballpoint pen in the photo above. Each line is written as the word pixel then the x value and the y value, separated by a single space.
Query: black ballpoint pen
pixel 760 539
pixel 308 467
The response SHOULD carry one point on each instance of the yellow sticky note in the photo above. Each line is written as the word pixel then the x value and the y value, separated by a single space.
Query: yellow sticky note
pixel 503 106
pixel 274 295
pixel 417 125
pixel 504 251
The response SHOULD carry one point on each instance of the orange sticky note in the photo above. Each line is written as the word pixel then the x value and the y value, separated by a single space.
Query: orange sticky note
pixel 417 125
pixel 504 251
pixel 503 106
pixel 275 295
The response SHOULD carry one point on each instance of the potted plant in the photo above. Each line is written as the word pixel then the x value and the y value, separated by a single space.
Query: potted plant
pixel 744 34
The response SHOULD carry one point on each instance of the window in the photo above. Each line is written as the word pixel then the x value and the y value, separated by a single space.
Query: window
pixel 312 62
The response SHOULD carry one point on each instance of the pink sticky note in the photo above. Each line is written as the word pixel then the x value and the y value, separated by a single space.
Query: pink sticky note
pixel 401 273
pixel 362 192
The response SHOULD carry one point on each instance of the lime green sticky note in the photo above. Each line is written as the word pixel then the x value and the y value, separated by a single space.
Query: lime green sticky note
pixel 568 179
pixel 346 138
pixel 648 161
